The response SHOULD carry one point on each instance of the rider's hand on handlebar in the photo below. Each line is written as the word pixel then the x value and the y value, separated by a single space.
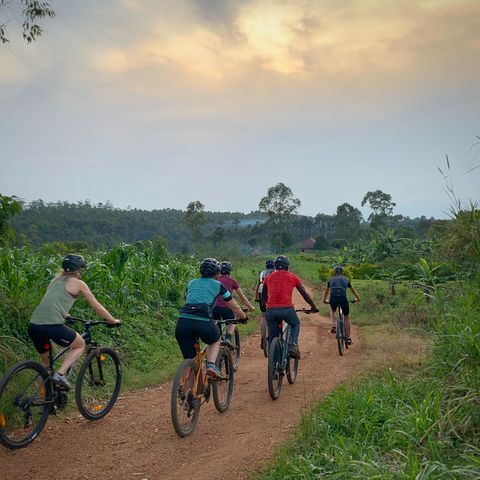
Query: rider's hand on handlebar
pixel 243 320
pixel 314 310
pixel 115 321
pixel 325 301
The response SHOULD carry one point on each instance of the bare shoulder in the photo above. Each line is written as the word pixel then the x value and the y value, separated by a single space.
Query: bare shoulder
pixel 75 286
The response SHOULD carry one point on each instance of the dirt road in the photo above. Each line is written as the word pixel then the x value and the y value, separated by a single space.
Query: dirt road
pixel 137 441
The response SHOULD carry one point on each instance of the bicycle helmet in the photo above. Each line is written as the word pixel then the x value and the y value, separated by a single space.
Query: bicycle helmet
pixel 269 264
pixel 281 263
pixel 72 263
pixel 209 267
pixel 338 270
pixel 226 268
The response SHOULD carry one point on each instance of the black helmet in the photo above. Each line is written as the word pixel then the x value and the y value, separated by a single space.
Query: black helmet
pixel 225 268
pixel 72 262
pixel 269 263
pixel 338 270
pixel 281 263
pixel 209 267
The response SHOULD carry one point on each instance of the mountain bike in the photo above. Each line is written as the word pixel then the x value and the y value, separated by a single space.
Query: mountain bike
pixel 341 334
pixel 280 363
pixel 192 387
pixel 28 395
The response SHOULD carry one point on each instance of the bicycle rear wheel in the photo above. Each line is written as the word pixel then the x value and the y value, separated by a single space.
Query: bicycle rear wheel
pixel 222 390
pixel 236 350
pixel 292 369
pixel 340 336
pixel 184 407
pixel 25 391
pixel 98 383
pixel 275 373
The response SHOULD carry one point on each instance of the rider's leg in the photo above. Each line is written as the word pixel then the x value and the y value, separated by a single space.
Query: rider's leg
pixel 263 330
pixel 76 349
pixel 45 359
pixel 273 328
pixel 212 351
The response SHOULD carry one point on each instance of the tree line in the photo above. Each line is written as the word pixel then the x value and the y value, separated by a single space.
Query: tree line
pixel 276 225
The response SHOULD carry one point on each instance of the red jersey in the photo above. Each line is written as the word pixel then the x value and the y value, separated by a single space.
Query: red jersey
pixel 280 285
pixel 231 284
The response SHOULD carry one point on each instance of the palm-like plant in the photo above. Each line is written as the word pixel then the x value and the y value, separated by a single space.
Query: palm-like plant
pixel 393 278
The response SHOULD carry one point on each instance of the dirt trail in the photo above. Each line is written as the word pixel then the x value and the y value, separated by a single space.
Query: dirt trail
pixel 137 441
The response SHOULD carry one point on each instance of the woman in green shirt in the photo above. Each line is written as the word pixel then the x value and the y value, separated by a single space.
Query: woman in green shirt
pixel 48 319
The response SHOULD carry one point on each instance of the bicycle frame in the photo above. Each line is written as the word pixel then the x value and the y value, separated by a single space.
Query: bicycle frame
pixel 201 378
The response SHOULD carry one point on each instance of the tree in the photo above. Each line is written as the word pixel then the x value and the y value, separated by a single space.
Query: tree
pixel 9 207
pixel 26 12
pixel 195 218
pixel 348 221
pixel 382 209
pixel 279 205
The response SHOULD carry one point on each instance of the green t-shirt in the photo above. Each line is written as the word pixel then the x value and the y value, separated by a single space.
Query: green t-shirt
pixel 55 304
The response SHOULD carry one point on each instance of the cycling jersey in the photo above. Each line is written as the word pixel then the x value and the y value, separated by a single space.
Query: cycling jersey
pixel 200 298
pixel 338 286
pixel 280 285
pixel 230 284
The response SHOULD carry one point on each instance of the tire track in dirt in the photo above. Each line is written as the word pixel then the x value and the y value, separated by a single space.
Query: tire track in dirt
pixel 137 441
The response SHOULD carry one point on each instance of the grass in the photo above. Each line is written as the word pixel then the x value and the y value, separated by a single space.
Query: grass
pixel 414 417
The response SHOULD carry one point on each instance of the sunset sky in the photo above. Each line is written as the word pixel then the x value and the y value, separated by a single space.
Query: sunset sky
pixel 156 103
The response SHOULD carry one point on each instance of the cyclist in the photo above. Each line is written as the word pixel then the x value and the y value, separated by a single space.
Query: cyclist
pixel 337 286
pixel 277 292
pixel 48 319
pixel 269 267
pixel 222 311
pixel 195 319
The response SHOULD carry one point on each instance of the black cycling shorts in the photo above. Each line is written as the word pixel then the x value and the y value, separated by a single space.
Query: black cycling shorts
pixel 188 331
pixel 223 313
pixel 343 302
pixel 42 335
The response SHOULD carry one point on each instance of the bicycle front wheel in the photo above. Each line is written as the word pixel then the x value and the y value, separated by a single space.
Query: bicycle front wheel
pixel 98 383
pixel 275 373
pixel 292 369
pixel 184 407
pixel 25 391
pixel 222 390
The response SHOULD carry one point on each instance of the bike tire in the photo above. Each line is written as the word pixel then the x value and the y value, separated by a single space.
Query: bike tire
pixel 19 381
pixel 340 337
pixel 222 390
pixel 98 383
pixel 292 370
pixel 184 415
pixel 236 351
pixel 275 375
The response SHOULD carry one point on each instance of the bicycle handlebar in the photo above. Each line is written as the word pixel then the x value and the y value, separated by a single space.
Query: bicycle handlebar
pixel 349 300
pixel 233 321
pixel 91 323
pixel 308 311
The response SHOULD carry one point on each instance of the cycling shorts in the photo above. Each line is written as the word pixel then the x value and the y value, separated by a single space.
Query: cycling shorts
pixel 342 301
pixel 188 331
pixel 223 313
pixel 42 335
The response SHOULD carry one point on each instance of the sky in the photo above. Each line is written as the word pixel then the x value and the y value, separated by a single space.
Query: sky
pixel 156 103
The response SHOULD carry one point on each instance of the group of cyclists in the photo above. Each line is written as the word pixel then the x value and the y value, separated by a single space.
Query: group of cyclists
pixel 207 299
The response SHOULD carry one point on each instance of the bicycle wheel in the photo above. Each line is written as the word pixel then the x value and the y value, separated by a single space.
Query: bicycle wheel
pixel 236 350
pixel 25 394
pixel 275 374
pixel 292 369
pixel 340 336
pixel 222 390
pixel 184 407
pixel 98 383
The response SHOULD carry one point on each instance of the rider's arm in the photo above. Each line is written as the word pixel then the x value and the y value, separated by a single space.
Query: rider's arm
pixel 306 296
pixel 357 296
pixel 325 294
pixel 264 293
pixel 245 300
pixel 257 286
pixel 94 303
pixel 235 308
